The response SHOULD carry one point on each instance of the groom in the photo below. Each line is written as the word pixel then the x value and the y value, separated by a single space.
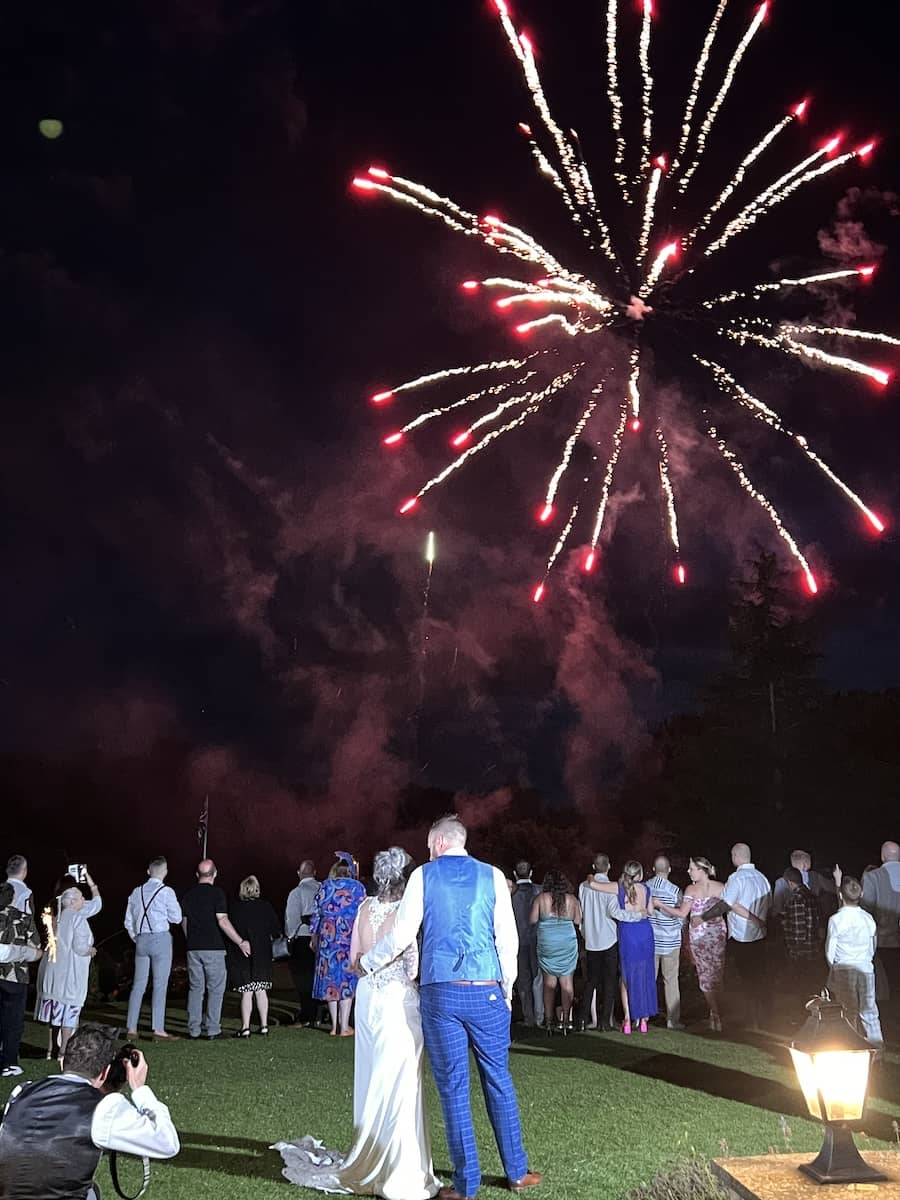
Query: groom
pixel 469 964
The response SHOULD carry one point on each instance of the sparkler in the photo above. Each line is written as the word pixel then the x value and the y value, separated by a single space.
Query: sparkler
pixel 631 308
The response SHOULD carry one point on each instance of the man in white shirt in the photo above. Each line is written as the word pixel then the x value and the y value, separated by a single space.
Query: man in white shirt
pixel 881 897
pixel 600 911
pixel 850 950
pixel 54 1130
pixel 468 967
pixel 297 913
pixel 152 909
pixel 16 873
pixel 749 887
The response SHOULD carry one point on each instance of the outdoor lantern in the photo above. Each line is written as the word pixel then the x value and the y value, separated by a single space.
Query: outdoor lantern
pixel 832 1063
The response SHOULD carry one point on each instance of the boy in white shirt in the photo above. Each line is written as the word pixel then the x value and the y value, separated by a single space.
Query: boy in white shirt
pixel 850 950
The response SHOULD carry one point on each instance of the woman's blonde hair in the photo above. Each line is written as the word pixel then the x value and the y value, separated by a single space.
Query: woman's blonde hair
pixel 249 889
pixel 704 864
pixel 340 870
pixel 632 874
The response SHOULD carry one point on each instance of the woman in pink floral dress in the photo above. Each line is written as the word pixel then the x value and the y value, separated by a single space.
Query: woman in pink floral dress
pixel 706 939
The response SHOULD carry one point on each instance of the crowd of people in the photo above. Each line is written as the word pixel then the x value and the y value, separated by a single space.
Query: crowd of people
pixel 400 949
pixel 809 930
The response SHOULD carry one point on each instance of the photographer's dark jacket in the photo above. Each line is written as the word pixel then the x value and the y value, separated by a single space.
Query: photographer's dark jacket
pixel 54 1131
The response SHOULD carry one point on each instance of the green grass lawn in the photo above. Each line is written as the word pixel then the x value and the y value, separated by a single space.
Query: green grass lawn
pixel 601 1113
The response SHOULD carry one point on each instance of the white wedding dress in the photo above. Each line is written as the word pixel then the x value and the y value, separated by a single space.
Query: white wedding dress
pixel 391 1151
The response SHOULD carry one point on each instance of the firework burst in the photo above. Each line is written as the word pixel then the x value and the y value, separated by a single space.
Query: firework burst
pixel 603 329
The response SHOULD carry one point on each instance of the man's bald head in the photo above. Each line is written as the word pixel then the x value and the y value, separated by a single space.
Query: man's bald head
pixel 890 852
pixel 206 870
pixel 740 854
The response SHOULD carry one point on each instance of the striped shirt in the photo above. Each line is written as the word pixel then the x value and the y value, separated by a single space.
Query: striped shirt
pixel 666 929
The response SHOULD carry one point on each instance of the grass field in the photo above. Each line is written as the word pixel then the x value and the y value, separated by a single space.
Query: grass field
pixel 601 1113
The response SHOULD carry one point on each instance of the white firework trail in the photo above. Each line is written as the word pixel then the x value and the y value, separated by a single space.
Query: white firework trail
pixel 765 504
pixel 555 553
pixel 693 94
pixel 729 386
pixel 756 293
pixel 649 206
pixel 865 335
pixel 569 447
pixel 666 484
pixel 788 345
pixel 646 82
pixel 609 474
pixel 434 413
pixel 730 73
pixel 615 99
pixel 452 372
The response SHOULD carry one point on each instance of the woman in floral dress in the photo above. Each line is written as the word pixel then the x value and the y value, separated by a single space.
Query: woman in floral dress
pixel 334 911
pixel 707 939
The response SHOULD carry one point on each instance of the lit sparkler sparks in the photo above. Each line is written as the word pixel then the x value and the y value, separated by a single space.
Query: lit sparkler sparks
pixel 630 310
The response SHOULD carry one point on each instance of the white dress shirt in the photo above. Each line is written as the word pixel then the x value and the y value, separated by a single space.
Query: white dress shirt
pixel 22 896
pixel 749 887
pixel 300 905
pixel 851 939
pixel 141 1126
pixel 152 908
pixel 599 913
pixel 411 914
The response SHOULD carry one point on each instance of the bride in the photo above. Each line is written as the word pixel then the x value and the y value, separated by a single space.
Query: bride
pixel 391 1152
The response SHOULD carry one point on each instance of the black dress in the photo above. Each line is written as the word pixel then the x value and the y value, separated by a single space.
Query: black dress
pixel 257 921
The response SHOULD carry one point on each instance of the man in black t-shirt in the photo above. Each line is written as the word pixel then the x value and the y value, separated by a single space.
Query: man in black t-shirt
pixel 205 913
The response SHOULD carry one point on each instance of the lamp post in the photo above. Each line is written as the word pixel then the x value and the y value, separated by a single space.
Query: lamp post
pixel 832 1063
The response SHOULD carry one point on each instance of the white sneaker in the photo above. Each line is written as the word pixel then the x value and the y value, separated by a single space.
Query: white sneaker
pixel 7 1072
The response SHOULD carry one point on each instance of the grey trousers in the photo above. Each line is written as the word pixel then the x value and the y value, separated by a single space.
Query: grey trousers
pixel 206 973
pixel 151 950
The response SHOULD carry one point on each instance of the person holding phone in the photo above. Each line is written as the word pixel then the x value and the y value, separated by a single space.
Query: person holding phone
pixel 62 982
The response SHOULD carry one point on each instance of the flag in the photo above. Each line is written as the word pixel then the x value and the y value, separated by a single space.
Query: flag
pixel 203 825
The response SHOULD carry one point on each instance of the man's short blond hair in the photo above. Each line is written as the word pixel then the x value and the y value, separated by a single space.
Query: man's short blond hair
pixel 799 857
pixel 450 828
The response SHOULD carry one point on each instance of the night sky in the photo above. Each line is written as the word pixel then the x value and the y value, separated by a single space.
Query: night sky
pixel 206 589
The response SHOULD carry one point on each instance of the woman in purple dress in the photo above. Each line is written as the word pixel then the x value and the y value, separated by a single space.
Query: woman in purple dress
pixel 636 950
pixel 334 911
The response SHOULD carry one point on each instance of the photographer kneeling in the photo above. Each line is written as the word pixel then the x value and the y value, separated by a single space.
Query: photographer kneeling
pixel 54 1130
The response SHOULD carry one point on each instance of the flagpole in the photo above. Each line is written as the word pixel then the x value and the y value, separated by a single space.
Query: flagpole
pixel 206 824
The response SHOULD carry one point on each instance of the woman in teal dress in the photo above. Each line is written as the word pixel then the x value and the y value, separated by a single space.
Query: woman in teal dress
pixel 557 914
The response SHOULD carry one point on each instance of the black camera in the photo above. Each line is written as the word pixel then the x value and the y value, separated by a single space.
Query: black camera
pixel 116 1079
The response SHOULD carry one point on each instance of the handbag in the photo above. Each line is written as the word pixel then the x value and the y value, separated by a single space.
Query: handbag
pixel 281 948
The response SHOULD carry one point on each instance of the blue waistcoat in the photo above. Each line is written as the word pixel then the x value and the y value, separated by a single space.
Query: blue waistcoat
pixel 458 929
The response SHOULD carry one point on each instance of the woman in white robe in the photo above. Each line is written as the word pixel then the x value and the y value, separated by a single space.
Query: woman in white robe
pixel 62 982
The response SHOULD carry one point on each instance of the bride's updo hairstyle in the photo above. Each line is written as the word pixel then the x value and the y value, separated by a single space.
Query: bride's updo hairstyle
pixel 389 872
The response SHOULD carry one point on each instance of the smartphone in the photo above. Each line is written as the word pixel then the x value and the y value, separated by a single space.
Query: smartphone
pixel 78 871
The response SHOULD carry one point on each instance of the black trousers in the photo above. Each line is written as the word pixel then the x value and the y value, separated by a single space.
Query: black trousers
pixel 890 958
pixel 303 966
pixel 602 969
pixel 12 1021
pixel 750 962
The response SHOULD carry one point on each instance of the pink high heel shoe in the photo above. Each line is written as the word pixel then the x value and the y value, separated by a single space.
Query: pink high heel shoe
pixel 626 1027
pixel 643 1026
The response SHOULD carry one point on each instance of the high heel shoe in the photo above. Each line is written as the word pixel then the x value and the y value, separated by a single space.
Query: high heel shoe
pixel 643 1025
pixel 715 1023
pixel 263 1031
pixel 626 1027
pixel 242 1033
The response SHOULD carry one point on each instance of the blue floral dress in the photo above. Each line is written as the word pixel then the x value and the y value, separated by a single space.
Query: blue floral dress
pixel 334 911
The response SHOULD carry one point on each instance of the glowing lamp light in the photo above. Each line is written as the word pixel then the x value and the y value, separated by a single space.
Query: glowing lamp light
pixel 545 514
pixel 832 1063
pixel 461 438
pixel 680 574
pixel 50 128
pixel 800 110
pixel 538 594
pixel 394 439
pixel 866 150
pixel 590 561
pixel 866 272
pixel 379 173
pixel 636 425
pixel 382 397
pixel 408 505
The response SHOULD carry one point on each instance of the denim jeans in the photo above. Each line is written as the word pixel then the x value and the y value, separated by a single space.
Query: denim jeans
pixel 206 973
pixel 151 951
